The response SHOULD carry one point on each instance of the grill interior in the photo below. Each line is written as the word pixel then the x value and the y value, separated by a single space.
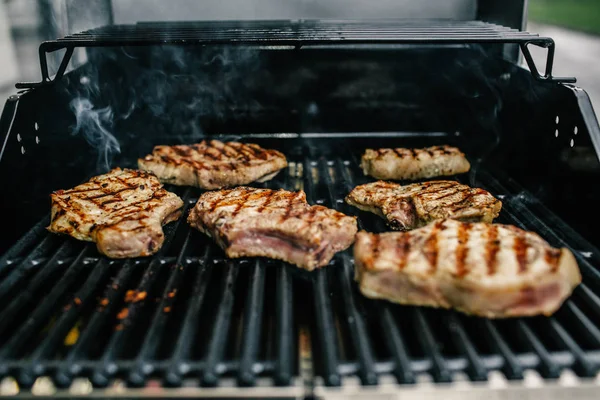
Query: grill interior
pixel 190 315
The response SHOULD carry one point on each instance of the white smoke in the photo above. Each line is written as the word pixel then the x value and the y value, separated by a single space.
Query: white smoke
pixel 95 126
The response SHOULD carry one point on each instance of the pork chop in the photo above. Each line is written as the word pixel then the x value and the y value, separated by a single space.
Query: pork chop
pixel 249 222
pixel 411 206
pixel 490 270
pixel 401 163
pixel 213 164
pixel 122 211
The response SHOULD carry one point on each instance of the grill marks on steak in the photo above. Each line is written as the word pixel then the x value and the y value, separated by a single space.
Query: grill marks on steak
pixel 250 222
pixel 403 163
pixel 213 164
pixel 489 270
pixel 411 206
pixel 122 211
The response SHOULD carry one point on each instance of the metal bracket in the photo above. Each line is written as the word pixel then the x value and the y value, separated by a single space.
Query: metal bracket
pixel 547 43
pixel 45 48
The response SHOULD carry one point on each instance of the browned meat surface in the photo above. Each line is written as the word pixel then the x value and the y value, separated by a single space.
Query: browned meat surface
pixel 122 211
pixel 249 222
pixel 411 206
pixel 213 164
pixel 414 164
pixel 490 270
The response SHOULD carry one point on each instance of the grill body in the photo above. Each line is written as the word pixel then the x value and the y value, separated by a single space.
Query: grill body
pixel 212 326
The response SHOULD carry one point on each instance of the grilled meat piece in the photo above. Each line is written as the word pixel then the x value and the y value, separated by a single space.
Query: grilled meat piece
pixel 213 164
pixel 414 163
pixel 122 211
pixel 489 270
pixel 249 222
pixel 411 206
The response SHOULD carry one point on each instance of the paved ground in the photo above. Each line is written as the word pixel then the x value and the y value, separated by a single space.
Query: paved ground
pixel 577 54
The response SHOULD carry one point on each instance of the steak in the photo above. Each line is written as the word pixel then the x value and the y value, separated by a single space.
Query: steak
pixel 414 164
pixel 213 164
pixel 411 206
pixel 249 222
pixel 490 270
pixel 122 211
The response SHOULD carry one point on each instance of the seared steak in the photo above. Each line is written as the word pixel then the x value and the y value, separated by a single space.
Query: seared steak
pixel 122 211
pixel 489 270
pixel 411 206
pixel 249 222
pixel 213 164
pixel 414 164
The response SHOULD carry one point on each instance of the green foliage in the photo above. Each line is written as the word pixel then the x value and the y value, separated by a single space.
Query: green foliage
pixel 583 15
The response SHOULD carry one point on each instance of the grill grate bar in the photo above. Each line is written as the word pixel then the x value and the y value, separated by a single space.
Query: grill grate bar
pixel 32 236
pixel 339 29
pixel 178 362
pixel 66 321
pixel 549 368
pixel 323 308
pixel 512 368
pixel 355 321
pixel 284 314
pixel 125 322
pixel 26 297
pixel 42 312
pixel 396 343
pixel 172 229
pixel 137 376
pixel 586 327
pixel 582 365
pixel 589 298
pixel 252 325
pixel 31 262
pixel 218 340
pixel 300 39
pixel 440 369
pixel 326 329
pixel 352 307
pixel 100 318
pixel 476 368
pixel 348 185
pixel 284 326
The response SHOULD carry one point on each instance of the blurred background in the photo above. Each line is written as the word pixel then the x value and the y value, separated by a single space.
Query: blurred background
pixel 573 24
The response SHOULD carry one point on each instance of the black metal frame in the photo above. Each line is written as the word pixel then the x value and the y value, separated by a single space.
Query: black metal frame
pixel 298 35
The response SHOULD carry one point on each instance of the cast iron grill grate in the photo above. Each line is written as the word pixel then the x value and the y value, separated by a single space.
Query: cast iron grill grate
pixel 305 32
pixel 188 313
pixel 298 34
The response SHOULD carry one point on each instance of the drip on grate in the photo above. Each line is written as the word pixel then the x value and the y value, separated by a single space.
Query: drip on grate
pixel 189 312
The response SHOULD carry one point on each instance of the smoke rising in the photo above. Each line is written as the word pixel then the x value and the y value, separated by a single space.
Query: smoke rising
pixel 173 87
pixel 95 125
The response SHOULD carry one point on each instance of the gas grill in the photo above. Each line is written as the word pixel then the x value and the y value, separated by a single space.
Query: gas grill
pixel 190 322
